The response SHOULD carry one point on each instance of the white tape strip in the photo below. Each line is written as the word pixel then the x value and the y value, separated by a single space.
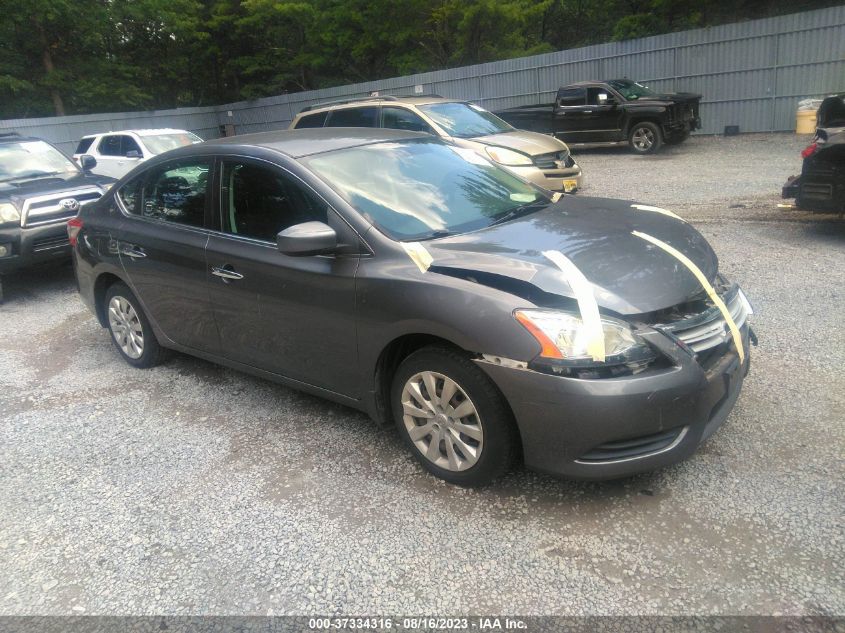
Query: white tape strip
pixel 645 207
pixel 587 305
pixel 711 292
pixel 418 254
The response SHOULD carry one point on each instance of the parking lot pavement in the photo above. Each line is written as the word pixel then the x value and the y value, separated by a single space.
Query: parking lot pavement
pixel 195 489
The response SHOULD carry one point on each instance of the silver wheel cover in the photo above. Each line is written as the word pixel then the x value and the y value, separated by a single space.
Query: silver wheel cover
pixel 442 421
pixel 126 327
pixel 643 138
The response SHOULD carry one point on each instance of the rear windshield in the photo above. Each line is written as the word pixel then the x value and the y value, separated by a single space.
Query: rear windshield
pixel 631 89
pixel 160 143
pixel 424 188
pixel 465 120
pixel 83 146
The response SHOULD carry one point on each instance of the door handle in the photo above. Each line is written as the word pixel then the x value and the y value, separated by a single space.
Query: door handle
pixel 134 253
pixel 226 273
pixel 587 111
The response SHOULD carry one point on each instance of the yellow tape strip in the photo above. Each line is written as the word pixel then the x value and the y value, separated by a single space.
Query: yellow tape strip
pixel 711 292
pixel 586 303
pixel 645 207
pixel 418 254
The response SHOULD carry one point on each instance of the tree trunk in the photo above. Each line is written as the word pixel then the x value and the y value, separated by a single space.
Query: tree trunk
pixel 49 67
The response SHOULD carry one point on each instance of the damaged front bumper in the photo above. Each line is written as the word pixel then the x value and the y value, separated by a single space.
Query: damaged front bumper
pixel 616 427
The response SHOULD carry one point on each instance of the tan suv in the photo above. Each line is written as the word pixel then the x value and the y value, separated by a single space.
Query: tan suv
pixel 539 158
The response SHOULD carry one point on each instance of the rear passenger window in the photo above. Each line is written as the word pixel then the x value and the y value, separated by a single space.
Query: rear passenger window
pixel 402 119
pixel 354 117
pixel 177 192
pixel 130 195
pixel 572 97
pixel 83 146
pixel 312 120
pixel 259 201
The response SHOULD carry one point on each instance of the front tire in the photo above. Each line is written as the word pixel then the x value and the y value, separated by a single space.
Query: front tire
pixel 645 138
pixel 130 329
pixel 453 418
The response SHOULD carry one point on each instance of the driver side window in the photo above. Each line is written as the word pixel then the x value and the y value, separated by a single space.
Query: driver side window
pixel 258 201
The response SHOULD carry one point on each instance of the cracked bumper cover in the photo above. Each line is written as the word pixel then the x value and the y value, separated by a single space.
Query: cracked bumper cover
pixel 563 419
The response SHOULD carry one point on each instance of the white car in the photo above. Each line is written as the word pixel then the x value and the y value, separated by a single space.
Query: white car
pixel 118 152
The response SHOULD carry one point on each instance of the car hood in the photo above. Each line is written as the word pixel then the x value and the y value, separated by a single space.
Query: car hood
pixel 629 275
pixel 48 185
pixel 531 143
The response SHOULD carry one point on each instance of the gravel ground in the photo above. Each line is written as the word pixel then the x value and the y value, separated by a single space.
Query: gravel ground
pixel 193 489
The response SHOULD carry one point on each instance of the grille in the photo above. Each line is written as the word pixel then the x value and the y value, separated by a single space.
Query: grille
pixel 47 210
pixel 552 160
pixel 49 243
pixel 632 448
pixel 708 329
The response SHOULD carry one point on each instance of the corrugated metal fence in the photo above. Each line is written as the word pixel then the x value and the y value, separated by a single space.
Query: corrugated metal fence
pixel 752 74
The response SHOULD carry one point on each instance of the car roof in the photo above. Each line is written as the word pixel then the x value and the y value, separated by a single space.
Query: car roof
pixel 145 132
pixel 307 141
pixel 374 101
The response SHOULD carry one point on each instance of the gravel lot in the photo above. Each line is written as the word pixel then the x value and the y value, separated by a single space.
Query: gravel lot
pixel 196 489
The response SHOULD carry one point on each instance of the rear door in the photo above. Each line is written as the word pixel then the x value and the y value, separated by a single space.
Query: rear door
pixel 293 316
pixel 162 248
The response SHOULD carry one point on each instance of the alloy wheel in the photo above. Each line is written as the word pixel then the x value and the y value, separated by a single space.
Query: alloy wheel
pixel 442 421
pixel 126 327
pixel 643 139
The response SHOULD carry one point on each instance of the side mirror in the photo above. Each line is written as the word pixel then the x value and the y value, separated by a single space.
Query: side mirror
pixel 602 98
pixel 308 238
pixel 133 153
pixel 87 162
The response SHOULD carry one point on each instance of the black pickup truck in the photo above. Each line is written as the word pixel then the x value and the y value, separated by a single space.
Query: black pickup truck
pixel 610 112
pixel 40 190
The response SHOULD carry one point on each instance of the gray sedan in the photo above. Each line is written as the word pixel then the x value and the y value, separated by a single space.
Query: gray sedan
pixel 488 319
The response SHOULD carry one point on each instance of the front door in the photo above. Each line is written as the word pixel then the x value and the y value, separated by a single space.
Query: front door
pixel 293 316
pixel 162 249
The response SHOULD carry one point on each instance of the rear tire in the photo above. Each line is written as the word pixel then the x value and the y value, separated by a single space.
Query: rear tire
pixel 645 138
pixel 439 395
pixel 130 329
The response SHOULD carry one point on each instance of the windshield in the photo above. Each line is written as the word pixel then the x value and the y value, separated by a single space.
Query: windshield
pixel 160 143
pixel 465 120
pixel 423 189
pixel 631 89
pixel 28 160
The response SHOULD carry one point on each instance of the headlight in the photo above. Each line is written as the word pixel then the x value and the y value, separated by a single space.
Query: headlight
pixel 507 156
pixel 562 336
pixel 9 213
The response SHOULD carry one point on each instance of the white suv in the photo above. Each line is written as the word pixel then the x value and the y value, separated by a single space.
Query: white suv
pixel 118 152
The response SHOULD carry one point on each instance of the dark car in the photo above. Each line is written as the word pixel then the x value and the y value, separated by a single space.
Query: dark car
pixel 488 318
pixel 40 188
pixel 612 111
pixel 821 185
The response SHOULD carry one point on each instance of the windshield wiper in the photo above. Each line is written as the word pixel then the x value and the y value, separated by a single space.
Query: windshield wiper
pixel 30 175
pixel 516 212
